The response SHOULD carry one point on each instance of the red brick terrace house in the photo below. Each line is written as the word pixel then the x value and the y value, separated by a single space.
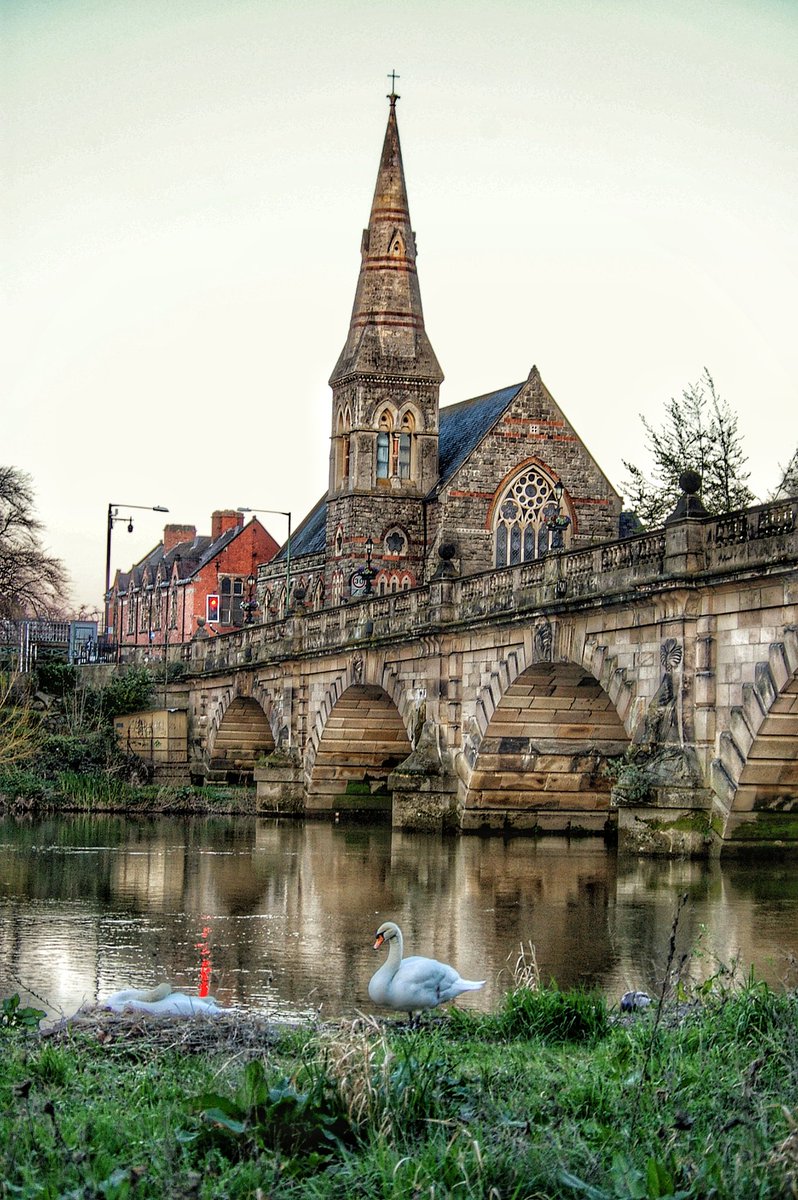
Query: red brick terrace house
pixel 187 582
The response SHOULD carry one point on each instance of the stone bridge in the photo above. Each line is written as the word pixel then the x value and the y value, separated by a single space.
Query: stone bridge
pixel 648 685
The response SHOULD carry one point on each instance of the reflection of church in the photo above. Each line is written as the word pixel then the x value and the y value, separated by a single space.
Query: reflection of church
pixel 413 489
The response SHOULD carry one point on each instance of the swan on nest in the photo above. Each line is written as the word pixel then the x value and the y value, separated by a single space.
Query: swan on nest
pixel 413 984
pixel 161 1001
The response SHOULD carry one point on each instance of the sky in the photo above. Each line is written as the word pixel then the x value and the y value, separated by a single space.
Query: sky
pixel 603 188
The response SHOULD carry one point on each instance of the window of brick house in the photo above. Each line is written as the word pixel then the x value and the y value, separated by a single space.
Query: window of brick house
pixel 145 610
pixel 521 529
pixel 231 600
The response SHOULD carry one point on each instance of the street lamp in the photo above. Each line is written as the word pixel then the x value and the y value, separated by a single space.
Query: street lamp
pixel 369 571
pixel 558 523
pixel 277 512
pixel 251 604
pixel 362 577
pixel 113 516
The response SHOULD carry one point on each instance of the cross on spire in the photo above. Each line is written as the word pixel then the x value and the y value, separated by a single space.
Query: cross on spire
pixel 393 96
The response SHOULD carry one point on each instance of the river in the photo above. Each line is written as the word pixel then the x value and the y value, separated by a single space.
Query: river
pixel 279 917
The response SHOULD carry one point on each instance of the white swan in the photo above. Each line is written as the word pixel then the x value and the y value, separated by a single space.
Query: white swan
pixel 415 983
pixel 161 1001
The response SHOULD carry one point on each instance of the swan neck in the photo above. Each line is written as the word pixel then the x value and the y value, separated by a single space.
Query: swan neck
pixel 395 949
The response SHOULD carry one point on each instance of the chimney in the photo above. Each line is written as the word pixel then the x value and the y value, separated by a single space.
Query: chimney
pixel 224 519
pixel 173 535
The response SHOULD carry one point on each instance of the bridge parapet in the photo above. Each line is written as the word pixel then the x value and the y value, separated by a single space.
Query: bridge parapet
pixel 698 550
pixel 753 536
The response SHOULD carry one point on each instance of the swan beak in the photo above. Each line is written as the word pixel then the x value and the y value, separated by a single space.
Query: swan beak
pixel 379 941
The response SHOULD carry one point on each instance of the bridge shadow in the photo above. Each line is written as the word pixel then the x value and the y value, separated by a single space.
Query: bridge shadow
pixel 539 764
pixel 363 739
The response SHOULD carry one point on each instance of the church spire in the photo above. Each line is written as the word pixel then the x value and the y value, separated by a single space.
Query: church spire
pixel 386 330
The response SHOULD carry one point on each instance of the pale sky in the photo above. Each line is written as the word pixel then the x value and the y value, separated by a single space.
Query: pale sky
pixel 603 188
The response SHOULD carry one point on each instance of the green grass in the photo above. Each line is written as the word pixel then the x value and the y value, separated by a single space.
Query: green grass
pixel 549 1097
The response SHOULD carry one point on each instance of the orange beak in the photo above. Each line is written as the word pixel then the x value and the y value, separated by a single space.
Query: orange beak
pixel 379 941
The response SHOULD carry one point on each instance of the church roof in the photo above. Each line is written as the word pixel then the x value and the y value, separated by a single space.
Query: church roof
pixel 463 426
pixel 309 536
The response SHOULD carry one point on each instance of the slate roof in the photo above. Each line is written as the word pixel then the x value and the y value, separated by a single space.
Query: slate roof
pixel 462 427
pixel 193 556
pixel 310 535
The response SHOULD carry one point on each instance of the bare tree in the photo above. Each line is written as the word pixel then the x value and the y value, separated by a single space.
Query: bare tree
pixel 32 582
pixel 788 484
pixel 699 433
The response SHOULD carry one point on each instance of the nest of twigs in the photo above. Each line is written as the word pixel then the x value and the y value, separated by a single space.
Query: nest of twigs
pixel 230 1033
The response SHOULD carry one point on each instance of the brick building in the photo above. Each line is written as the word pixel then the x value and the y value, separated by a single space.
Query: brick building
pixel 188 582
pixel 414 488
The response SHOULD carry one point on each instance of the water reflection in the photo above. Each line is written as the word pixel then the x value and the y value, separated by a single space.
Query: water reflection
pixel 280 916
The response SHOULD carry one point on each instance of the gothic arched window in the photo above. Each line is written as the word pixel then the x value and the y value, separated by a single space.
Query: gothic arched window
pixel 344 436
pixel 523 528
pixel 384 438
pixel 337 587
pixel 402 446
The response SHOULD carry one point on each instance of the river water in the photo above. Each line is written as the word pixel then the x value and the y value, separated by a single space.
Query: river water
pixel 279 917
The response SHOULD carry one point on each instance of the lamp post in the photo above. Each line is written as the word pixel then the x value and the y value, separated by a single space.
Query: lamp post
pixel 558 523
pixel 369 571
pixel 362 577
pixel 113 516
pixel 277 512
pixel 251 604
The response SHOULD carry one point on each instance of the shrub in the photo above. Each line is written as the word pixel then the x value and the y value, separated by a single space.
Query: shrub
pixel 128 693
pixel 573 1015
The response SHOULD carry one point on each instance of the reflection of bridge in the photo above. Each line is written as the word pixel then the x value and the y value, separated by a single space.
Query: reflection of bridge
pixel 494 701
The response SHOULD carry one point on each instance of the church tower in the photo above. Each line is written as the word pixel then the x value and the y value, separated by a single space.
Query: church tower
pixel 385 386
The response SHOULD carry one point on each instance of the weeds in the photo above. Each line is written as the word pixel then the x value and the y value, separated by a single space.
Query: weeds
pixel 14 1016
pixel 546 1098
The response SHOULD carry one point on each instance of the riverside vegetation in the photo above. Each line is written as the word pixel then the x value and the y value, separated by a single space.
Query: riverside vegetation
pixel 552 1096
pixel 58 750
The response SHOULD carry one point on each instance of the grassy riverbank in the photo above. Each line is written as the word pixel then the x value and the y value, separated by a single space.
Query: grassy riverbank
pixel 26 793
pixel 550 1097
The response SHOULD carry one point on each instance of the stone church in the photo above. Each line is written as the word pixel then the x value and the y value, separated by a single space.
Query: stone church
pixel 416 489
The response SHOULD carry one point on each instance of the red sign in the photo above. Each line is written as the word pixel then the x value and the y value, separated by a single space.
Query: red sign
pixel 211 608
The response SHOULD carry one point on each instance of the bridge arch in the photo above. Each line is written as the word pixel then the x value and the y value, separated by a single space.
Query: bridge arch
pixel 756 771
pixel 539 760
pixel 361 741
pixel 240 731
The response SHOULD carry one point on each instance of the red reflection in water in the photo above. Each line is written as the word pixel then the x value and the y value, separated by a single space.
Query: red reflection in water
pixel 205 961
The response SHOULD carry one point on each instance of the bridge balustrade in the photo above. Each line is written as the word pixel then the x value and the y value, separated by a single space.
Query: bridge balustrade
pixel 747 537
pixel 763 534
